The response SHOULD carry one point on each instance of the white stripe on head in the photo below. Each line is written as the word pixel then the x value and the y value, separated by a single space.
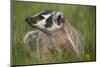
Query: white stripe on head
pixel 38 13
pixel 46 16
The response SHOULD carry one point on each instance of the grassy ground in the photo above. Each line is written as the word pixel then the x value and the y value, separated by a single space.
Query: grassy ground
pixel 83 18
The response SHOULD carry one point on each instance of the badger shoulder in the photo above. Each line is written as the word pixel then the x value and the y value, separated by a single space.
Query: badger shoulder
pixel 76 39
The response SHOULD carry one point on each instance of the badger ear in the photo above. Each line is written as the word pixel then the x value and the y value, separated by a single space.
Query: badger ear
pixel 60 18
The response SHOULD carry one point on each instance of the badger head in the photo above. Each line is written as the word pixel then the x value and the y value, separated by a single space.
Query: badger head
pixel 49 20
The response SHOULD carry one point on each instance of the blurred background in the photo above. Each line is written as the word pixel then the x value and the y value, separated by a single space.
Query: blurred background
pixel 83 18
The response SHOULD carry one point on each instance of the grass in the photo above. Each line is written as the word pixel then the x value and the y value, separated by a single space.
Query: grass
pixel 83 18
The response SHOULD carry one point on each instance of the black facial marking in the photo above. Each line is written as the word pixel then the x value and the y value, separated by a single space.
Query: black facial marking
pixel 46 12
pixel 49 22
pixel 41 17
pixel 59 20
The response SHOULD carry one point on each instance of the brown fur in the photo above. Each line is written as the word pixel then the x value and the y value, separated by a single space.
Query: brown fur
pixel 66 40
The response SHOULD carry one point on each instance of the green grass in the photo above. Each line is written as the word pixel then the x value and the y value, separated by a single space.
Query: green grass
pixel 83 18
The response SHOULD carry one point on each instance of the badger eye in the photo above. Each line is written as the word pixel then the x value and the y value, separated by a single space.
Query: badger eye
pixel 41 17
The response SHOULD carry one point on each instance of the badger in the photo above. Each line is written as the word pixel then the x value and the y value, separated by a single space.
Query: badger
pixel 54 34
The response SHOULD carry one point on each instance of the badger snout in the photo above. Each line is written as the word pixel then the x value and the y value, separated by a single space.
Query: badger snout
pixel 30 20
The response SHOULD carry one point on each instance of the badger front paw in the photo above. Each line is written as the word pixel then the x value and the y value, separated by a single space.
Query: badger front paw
pixel 29 37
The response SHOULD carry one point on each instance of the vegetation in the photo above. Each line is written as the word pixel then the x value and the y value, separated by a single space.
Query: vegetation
pixel 83 18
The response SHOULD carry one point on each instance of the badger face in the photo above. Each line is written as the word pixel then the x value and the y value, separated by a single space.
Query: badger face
pixel 46 20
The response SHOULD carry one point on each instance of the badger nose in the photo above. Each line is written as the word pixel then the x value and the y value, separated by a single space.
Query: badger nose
pixel 30 20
